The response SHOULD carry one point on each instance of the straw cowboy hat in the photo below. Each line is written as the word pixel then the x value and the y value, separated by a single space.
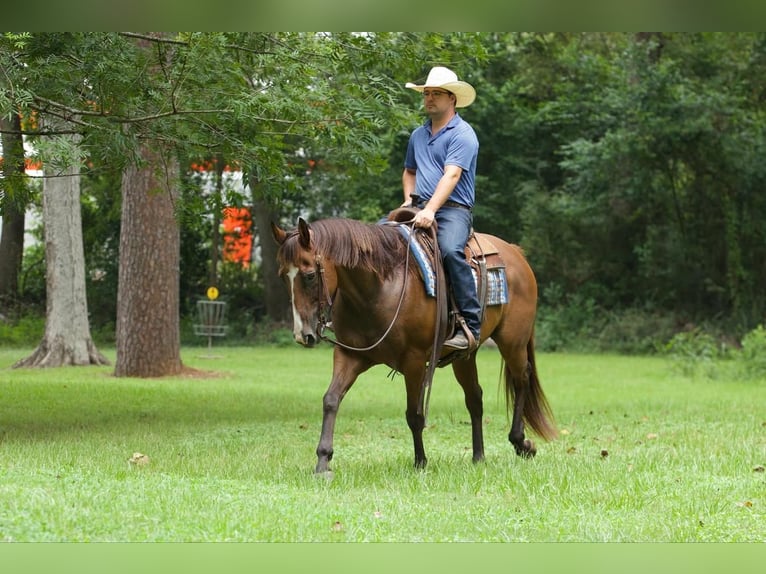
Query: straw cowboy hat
pixel 440 77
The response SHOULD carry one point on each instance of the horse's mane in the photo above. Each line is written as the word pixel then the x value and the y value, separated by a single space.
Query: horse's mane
pixel 354 244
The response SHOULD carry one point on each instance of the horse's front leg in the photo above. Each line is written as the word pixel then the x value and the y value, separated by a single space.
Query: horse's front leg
pixel 346 369
pixel 468 377
pixel 415 418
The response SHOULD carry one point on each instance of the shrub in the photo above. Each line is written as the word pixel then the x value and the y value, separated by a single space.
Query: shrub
pixel 696 352
pixel 753 354
pixel 26 331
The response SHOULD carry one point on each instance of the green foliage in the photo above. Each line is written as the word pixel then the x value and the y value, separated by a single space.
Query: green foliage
pixel 696 352
pixel 576 323
pixel 628 165
pixel 752 357
pixel 24 331
pixel 701 353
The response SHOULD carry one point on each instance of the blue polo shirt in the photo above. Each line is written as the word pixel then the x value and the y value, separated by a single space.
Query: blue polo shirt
pixel 456 144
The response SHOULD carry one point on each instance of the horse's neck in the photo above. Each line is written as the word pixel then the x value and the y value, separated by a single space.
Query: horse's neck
pixel 360 289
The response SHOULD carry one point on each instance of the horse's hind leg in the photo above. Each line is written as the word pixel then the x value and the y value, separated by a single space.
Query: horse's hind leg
pixel 517 376
pixel 468 377
pixel 524 447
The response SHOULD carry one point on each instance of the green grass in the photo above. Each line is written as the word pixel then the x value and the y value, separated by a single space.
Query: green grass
pixel 232 455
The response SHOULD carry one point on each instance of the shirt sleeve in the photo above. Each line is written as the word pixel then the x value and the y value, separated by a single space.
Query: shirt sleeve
pixel 462 149
pixel 409 158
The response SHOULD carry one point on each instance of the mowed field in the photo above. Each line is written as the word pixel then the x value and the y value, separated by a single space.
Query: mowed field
pixel 226 453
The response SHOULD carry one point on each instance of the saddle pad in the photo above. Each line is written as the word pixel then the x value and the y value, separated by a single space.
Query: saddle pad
pixel 424 261
pixel 497 284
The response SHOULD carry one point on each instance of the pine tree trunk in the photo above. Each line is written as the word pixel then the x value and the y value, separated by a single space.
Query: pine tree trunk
pixel 275 294
pixel 12 238
pixel 148 337
pixel 67 339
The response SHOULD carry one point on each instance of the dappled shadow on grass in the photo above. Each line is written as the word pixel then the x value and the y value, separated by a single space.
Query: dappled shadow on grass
pixel 77 402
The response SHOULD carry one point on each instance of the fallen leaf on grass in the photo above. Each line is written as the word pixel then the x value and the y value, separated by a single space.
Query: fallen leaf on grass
pixel 604 453
pixel 745 504
pixel 652 436
pixel 759 468
pixel 564 432
pixel 571 450
pixel 138 459
pixel 337 526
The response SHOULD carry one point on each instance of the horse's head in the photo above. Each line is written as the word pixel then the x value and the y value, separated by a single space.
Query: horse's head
pixel 309 280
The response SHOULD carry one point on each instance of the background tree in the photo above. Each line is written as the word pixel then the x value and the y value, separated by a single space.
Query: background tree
pixel 148 338
pixel 13 201
pixel 67 339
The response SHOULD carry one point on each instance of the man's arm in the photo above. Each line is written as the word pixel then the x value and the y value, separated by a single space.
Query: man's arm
pixel 408 186
pixel 447 183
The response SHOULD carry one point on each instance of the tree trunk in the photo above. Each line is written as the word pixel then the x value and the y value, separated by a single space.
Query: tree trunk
pixel 215 243
pixel 275 295
pixel 67 338
pixel 148 336
pixel 12 238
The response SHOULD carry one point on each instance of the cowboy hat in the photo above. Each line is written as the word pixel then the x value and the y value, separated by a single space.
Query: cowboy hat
pixel 440 77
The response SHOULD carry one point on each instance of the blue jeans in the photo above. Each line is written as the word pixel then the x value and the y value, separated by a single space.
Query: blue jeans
pixel 453 229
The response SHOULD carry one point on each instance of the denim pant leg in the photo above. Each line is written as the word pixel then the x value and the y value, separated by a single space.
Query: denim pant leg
pixel 454 227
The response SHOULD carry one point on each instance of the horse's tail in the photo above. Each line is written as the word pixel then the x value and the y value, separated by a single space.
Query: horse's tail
pixel 537 412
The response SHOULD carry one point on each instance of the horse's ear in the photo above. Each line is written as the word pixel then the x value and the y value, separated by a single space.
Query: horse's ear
pixel 278 233
pixel 304 233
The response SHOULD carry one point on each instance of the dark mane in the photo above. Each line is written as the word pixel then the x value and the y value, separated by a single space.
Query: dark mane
pixel 354 244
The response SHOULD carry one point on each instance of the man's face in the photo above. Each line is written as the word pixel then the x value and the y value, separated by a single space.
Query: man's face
pixel 436 101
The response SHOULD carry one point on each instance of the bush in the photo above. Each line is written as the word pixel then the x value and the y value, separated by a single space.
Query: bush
pixel 635 332
pixel 696 352
pixel 753 354
pixel 26 331
pixel 580 323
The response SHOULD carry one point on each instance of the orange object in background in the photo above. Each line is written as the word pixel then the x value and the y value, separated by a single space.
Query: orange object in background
pixel 237 235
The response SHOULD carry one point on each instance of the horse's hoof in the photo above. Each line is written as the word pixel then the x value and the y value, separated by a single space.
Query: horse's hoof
pixel 327 475
pixel 528 450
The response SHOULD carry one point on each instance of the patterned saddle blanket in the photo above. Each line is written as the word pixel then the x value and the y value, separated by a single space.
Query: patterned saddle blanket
pixel 479 252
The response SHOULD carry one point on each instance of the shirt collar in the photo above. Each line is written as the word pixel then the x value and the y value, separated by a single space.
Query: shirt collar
pixel 456 119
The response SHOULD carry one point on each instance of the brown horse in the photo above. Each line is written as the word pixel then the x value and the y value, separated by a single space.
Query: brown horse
pixel 359 277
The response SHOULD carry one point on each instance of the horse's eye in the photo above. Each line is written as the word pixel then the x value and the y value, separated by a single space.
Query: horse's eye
pixel 310 277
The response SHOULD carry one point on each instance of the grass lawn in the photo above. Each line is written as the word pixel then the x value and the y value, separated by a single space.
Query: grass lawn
pixel 645 455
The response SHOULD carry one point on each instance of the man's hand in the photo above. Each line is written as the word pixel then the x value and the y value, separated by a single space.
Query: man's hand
pixel 424 218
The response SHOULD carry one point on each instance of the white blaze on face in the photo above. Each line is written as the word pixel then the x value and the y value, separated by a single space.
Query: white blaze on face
pixel 297 323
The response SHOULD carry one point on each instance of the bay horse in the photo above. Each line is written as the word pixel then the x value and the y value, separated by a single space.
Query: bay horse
pixel 360 279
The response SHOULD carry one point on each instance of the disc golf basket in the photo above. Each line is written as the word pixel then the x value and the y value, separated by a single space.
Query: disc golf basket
pixel 211 320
